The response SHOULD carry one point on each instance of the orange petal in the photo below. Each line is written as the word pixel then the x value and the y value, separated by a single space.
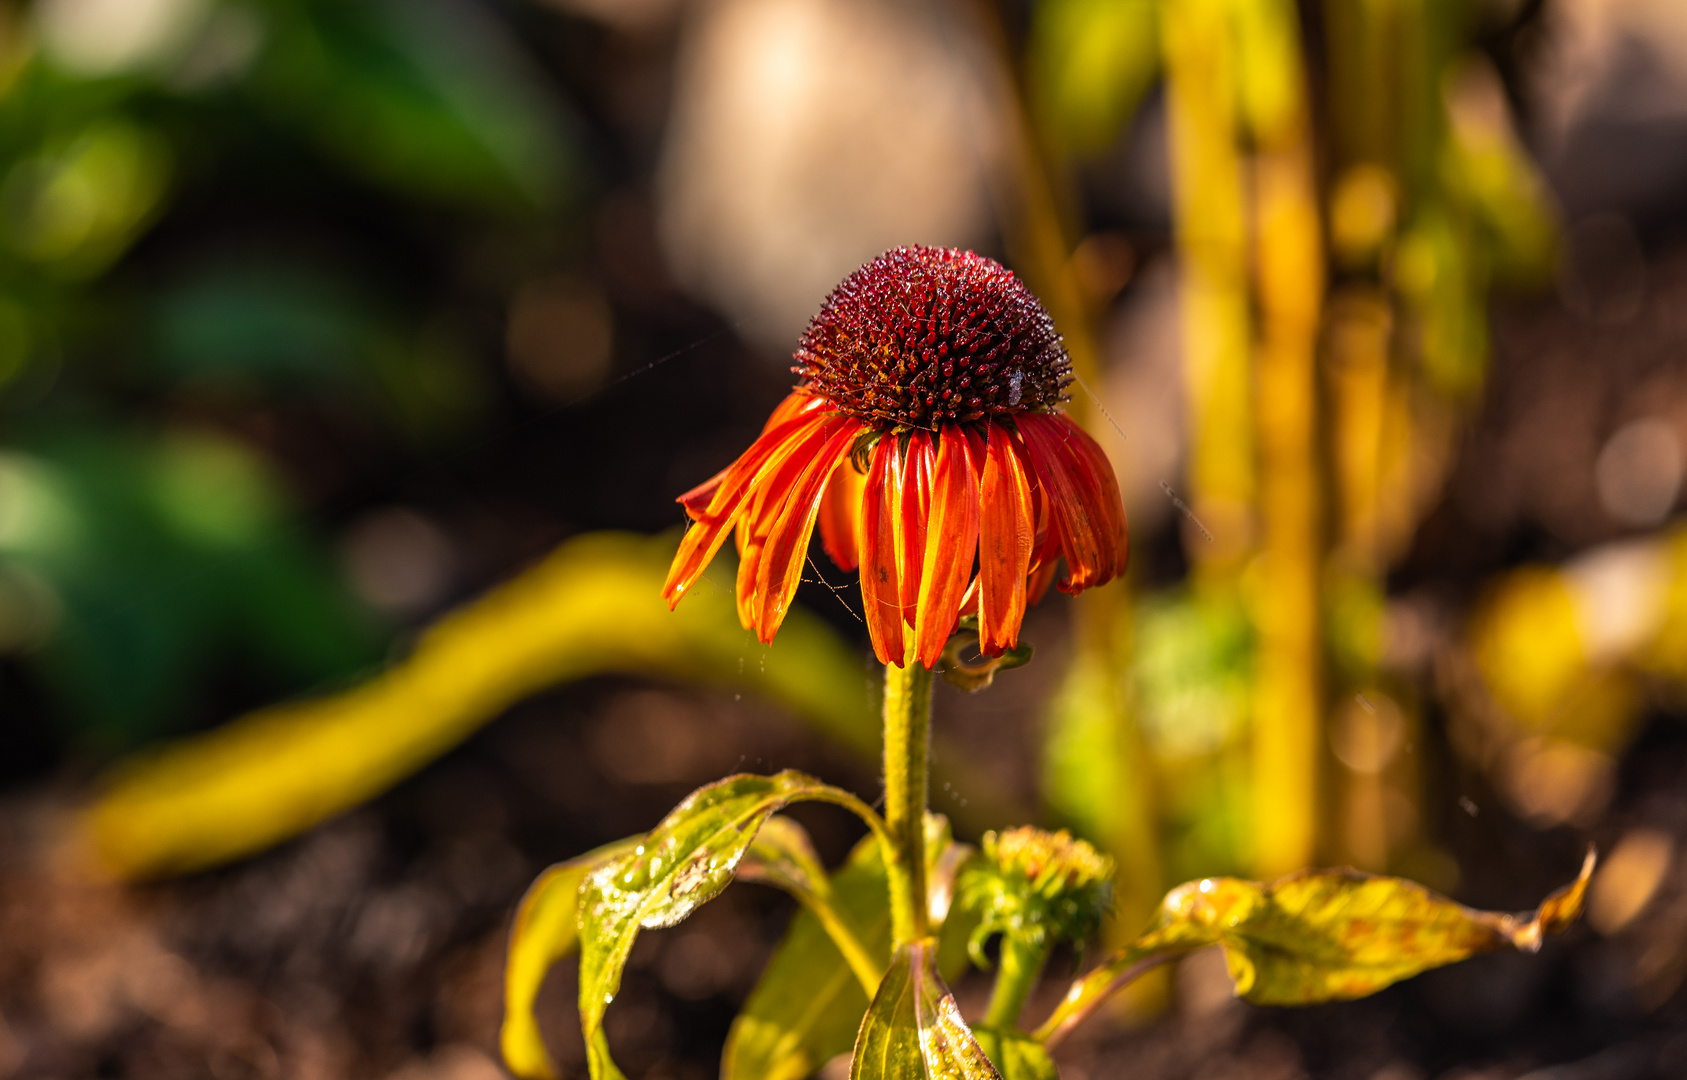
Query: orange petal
pixel 912 504
pixel 1005 534
pixel 787 544
pixel 757 466
pixel 1109 507
pixel 1101 469
pixel 951 543
pixel 840 513
pixel 1089 528
pixel 761 511
pixel 1040 580
pixel 881 588
pixel 697 499
pixel 796 403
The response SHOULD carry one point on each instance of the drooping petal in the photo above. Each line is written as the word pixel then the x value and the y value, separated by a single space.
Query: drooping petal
pixel 753 527
pixel 696 501
pixel 881 582
pixel 1089 528
pixel 913 507
pixel 796 403
pixel 787 543
pixel 1007 528
pixel 1037 584
pixel 769 460
pixel 1101 470
pixel 755 522
pixel 840 513
pixel 1108 505
pixel 951 543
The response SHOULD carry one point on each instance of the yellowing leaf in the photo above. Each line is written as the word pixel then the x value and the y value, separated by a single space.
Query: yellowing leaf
pixel 682 864
pixel 545 930
pixel 1318 935
pixel 913 1030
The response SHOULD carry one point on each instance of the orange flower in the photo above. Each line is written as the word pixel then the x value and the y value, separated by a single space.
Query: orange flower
pixel 925 438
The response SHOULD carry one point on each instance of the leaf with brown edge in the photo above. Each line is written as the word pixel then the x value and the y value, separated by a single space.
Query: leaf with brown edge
pixel 1318 935
pixel 546 929
pixel 682 864
pixel 913 1030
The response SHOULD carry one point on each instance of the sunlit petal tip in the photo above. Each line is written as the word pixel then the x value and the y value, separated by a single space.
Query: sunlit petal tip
pixel 697 499
pixel 761 475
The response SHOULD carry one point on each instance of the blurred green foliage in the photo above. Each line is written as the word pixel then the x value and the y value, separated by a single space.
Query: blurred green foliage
pixel 139 556
pixel 130 567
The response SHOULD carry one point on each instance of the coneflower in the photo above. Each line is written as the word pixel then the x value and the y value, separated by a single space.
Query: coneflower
pixel 926 440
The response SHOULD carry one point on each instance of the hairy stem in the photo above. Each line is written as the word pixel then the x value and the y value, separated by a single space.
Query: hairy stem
pixel 907 735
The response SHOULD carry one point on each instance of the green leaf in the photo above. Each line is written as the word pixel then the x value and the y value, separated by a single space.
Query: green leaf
pixel 806 1008
pixel 1318 935
pixel 1016 1055
pixel 913 1030
pixel 545 930
pixel 682 864
pixel 783 856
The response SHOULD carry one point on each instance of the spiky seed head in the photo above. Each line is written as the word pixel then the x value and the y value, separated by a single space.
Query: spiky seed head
pixel 921 336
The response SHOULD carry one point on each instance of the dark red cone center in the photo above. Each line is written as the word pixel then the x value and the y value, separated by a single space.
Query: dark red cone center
pixel 923 335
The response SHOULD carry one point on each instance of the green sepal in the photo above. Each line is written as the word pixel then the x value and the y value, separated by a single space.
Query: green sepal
pixel 974 677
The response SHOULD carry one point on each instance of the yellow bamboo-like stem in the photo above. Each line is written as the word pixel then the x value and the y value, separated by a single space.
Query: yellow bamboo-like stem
pixel 1356 371
pixel 1287 707
pixel 1209 226
pixel 1288 733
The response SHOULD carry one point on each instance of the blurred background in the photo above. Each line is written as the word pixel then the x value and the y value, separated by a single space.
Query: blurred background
pixel 352 353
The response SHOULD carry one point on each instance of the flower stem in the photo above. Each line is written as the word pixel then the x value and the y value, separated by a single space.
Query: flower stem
pixel 907 735
pixel 1017 970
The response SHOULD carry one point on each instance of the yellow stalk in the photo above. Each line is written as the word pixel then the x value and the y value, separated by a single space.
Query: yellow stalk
pixel 1209 224
pixel 1288 731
